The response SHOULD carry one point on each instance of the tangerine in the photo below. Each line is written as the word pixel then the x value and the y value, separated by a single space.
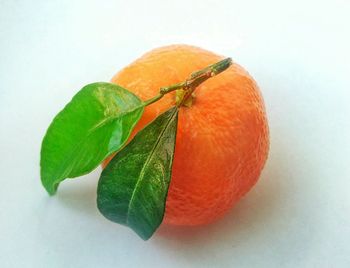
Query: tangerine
pixel 222 139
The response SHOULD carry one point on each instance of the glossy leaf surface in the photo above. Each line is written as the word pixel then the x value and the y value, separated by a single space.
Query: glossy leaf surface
pixel 95 123
pixel 133 187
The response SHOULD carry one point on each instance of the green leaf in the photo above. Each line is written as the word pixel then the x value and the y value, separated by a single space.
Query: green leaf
pixel 95 123
pixel 133 187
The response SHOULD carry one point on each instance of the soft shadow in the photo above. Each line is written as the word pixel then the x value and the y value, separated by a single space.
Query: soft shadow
pixel 258 208
pixel 80 194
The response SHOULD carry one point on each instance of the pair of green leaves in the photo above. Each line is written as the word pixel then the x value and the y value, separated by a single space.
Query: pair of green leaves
pixel 98 122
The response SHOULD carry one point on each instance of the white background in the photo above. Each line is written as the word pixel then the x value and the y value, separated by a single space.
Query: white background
pixel 298 215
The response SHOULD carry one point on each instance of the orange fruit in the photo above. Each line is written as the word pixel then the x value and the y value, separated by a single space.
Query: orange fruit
pixel 222 139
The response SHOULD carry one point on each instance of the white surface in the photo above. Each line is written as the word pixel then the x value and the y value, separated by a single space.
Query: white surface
pixel 299 213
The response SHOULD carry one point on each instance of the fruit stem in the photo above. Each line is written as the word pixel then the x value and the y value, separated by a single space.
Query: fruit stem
pixel 165 90
pixel 214 69
pixel 200 76
pixel 190 84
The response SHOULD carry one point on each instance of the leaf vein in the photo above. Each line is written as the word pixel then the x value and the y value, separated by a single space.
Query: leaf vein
pixel 149 158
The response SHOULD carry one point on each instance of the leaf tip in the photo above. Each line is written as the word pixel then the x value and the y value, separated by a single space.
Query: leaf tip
pixel 51 188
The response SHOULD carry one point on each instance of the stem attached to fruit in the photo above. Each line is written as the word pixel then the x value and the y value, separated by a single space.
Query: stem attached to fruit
pixel 190 84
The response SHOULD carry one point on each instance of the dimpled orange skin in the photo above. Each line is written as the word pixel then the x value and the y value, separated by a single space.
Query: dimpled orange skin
pixel 222 139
